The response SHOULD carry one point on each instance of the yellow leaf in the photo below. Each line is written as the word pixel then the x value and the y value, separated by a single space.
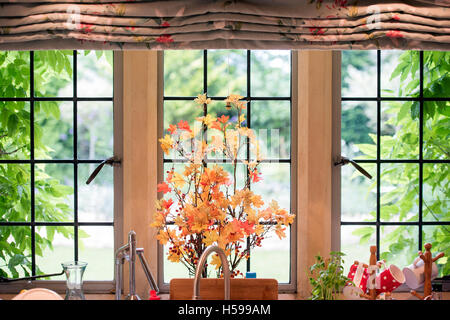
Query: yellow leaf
pixel 259 229
pixel 210 237
pixel 208 119
pixel 216 261
pixel 163 237
pixel 166 143
pixel 178 180
pixel 201 99
pixel 280 232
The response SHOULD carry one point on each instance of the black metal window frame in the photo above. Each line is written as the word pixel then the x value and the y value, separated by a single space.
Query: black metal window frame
pixel 33 161
pixel 379 161
pixel 249 98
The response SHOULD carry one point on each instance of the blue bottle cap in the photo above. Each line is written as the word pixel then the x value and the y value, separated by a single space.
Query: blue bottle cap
pixel 250 275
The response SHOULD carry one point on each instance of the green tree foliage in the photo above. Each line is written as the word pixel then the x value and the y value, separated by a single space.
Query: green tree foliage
pixel 400 182
pixel 15 191
pixel 52 139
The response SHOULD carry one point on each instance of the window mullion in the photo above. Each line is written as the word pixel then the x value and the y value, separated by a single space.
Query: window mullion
pixel 32 173
pixel 378 220
pixel 75 155
pixel 421 102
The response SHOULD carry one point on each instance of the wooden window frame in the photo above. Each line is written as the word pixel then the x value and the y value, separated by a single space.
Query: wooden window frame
pixel 316 102
pixel 94 286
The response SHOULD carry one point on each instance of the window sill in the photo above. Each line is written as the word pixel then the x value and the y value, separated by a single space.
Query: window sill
pixel 281 296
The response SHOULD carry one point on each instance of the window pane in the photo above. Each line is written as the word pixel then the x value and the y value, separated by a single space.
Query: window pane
pixel 179 168
pixel 241 173
pixel 15 251
pixel 95 73
pixel 275 184
pixel 399 73
pixel 96 200
pixel 436 192
pixel 359 129
pixel 14 74
pixel 227 72
pixel 57 243
pixel 355 243
pixel 15 198
pixel 399 244
pixel 270 73
pixel 54 192
pixel 439 237
pixel 14 130
pixel 436 130
pixel 95 130
pixel 53 130
pixel 399 133
pixel 271 121
pixel 53 73
pixel 217 109
pixel 96 247
pixel 399 192
pixel 176 111
pixel 174 269
pixel 359 73
pixel 183 73
pixel 272 259
pixel 359 194
pixel 436 74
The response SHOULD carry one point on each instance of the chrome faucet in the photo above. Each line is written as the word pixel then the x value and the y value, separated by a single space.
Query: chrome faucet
pixel 201 265
pixel 129 252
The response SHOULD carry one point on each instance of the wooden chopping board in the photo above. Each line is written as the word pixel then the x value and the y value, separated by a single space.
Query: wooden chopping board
pixel 213 289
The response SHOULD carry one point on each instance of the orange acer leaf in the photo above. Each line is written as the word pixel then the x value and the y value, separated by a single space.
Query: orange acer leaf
pixel 215 125
pixel 247 227
pixel 255 176
pixel 166 204
pixel 172 128
pixel 223 119
pixel 164 188
pixel 184 125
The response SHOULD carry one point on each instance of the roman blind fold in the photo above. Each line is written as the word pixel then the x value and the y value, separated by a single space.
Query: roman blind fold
pixel 224 24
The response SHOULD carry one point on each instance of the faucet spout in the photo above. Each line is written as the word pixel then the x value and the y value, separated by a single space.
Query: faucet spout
pixel 128 252
pixel 201 265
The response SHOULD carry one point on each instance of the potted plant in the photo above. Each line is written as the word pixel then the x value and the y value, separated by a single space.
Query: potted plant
pixel 327 277
pixel 203 205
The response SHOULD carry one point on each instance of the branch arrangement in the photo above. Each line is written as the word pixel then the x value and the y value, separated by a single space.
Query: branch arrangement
pixel 203 205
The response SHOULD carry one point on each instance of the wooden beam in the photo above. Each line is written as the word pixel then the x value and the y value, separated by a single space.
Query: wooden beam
pixel 140 144
pixel 313 115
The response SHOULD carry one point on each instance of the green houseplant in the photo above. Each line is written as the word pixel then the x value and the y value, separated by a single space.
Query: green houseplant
pixel 327 277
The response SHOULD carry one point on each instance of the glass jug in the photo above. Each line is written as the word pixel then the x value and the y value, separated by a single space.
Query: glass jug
pixel 74 271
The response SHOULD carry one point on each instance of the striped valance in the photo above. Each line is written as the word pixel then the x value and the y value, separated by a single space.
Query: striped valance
pixel 209 24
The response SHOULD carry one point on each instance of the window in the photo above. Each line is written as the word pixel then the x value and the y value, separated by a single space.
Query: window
pixel 395 122
pixel 56 126
pixel 264 79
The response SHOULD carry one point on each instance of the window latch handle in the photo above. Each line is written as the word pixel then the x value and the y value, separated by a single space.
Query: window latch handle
pixel 110 161
pixel 345 161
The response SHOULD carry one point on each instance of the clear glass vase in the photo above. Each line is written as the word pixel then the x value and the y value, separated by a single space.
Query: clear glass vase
pixel 74 271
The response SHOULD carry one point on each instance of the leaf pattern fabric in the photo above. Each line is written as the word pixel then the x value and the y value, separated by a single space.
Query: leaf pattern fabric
pixel 224 24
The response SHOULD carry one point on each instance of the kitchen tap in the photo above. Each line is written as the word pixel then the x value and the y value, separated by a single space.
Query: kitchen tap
pixel 129 252
pixel 201 265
